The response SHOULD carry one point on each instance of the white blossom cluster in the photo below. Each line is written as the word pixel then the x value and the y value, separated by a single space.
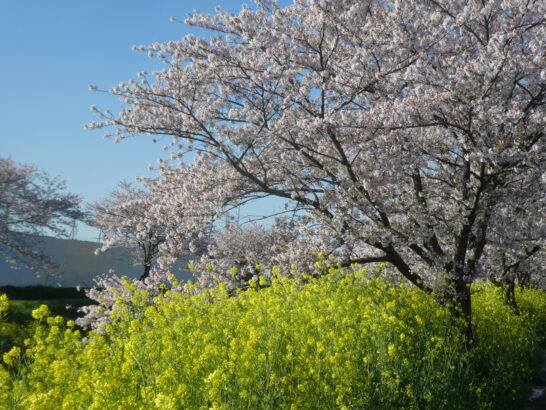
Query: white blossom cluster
pixel 112 288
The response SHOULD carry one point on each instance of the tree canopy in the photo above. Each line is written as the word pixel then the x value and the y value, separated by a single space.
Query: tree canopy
pixel 405 132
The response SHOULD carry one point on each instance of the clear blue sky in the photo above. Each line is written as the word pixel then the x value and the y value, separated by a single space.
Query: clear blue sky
pixel 51 52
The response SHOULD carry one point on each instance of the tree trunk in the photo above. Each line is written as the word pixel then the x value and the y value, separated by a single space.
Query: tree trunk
pixel 147 268
pixel 463 309
pixel 509 288
pixel 524 279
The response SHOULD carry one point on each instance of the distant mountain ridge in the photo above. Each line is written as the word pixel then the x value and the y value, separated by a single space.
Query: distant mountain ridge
pixel 78 265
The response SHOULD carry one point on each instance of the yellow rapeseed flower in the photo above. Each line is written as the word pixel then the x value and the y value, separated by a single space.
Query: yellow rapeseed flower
pixel 40 313
pixel 11 356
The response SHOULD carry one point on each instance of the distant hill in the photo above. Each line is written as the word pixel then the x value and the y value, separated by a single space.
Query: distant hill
pixel 78 265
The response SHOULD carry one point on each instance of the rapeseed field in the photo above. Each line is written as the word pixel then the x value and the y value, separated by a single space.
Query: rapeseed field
pixel 343 340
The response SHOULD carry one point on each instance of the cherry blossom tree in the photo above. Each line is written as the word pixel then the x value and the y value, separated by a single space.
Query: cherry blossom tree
pixel 405 132
pixel 32 204
pixel 129 218
pixel 123 221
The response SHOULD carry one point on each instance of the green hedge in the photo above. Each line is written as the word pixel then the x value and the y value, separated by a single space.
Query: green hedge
pixel 41 292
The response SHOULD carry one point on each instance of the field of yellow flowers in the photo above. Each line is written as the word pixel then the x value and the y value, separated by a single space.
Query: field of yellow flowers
pixel 345 340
